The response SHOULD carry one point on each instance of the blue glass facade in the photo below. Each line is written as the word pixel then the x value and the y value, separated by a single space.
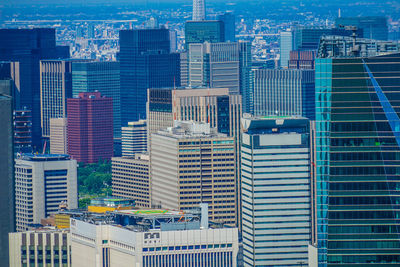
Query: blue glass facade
pixel 358 160
pixel 145 62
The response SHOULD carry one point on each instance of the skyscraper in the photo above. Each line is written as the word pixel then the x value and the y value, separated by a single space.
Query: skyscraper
pixel 145 62
pixel 90 127
pixel 357 144
pixel 302 59
pixel 29 46
pixel 228 18
pixel 55 88
pixel 285 45
pixel 215 65
pixel 58 136
pixel 103 77
pixel 372 27
pixel 7 197
pixel 276 198
pixel 284 92
pixel 245 65
pixel 190 164
pixel 212 31
pixel 134 138
pixel 307 38
pixel 42 183
pixel 199 10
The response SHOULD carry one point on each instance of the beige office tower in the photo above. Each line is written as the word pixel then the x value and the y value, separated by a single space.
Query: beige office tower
pixel 215 65
pixel 46 247
pixel 42 183
pixel 58 136
pixel 216 106
pixel 130 179
pixel 191 164
pixel 55 88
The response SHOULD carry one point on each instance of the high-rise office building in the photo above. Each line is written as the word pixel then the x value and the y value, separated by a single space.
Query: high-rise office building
pixel 145 62
pixel 199 10
pixel 228 18
pixel 23 131
pixel 42 183
pixel 302 59
pixel 215 65
pixel 131 179
pixel 286 45
pixel 216 106
pixel 307 38
pixel 28 47
pixel 90 127
pixel 276 191
pixel 245 65
pixel 103 77
pixel 193 164
pixel 212 31
pixel 58 136
pixel 284 92
pixel 372 27
pixel 7 197
pixel 357 144
pixel 55 88
pixel 134 138
pixel 173 37
pixel 152 238
pixel 44 247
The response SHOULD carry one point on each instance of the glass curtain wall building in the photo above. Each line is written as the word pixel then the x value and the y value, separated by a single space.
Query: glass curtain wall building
pixel 358 152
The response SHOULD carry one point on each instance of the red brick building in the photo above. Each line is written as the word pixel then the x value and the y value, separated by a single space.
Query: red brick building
pixel 90 127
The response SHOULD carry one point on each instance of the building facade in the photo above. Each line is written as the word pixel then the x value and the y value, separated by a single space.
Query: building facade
pixel 40 248
pixel 215 65
pixel 7 190
pixel 42 183
pixel 228 18
pixel 192 165
pixel 23 131
pixel 212 31
pixel 134 138
pixel 90 127
pixel 28 47
pixel 199 10
pixel 372 27
pixel 357 141
pixel 280 92
pixel 103 77
pixel 172 238
pixel 55 88
pixel 285 46
pixel 276 191
pixel 145 62
pixel 58 136
pixel 131 179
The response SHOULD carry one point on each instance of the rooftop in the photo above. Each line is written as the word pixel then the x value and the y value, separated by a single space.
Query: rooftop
pixel 42 157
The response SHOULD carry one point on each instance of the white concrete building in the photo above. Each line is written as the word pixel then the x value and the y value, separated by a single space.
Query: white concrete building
pixel 42 182
pixel 134 138
pixel 170 238
pixel 276 191
pixel 58 136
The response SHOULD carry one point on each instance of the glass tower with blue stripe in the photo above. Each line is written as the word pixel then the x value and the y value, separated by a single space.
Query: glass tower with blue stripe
pixel 276 191
pixel 358 152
